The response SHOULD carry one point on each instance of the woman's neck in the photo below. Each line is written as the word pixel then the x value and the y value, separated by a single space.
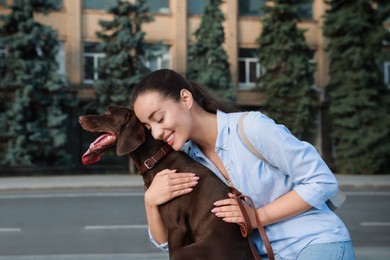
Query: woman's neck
pixel 204 132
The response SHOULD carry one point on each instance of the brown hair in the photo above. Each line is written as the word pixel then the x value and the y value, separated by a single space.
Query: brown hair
pixel 169 84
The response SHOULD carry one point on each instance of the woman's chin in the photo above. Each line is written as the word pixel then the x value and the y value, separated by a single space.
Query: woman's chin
pixel 177 147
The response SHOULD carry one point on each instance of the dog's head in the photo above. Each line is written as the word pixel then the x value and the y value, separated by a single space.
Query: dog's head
pixel 119 126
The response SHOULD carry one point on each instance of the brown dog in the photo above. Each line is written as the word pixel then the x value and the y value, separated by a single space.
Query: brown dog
pixel 193 231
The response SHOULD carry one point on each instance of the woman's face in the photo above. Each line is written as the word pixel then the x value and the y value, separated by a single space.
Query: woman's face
pixel 167 119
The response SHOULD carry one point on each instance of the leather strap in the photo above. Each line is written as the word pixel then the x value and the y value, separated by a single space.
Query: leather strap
pixel 151 161
pixel 246 228
pixel 245 139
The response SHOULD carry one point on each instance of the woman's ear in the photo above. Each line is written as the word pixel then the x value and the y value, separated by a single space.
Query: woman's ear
pixel 186 98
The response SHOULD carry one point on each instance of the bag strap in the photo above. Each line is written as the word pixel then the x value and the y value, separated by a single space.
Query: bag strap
pixel 246 140
pixel 246 227
pixel 333 203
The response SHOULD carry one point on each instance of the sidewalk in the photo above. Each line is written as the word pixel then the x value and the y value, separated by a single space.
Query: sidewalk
pixel 127 181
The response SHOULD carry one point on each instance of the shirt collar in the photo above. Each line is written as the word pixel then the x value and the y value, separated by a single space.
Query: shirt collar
pixel 192 149
pixel 223 130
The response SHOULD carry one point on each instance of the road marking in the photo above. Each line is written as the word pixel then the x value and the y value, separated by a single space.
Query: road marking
pixel 375 224
pixel 367 193
pixel 116 227
pixel 7 230
pixel 72 195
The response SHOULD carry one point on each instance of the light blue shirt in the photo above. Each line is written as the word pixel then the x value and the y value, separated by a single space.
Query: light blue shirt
pixel 292 165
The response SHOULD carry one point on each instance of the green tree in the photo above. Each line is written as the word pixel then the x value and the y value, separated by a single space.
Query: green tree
pixel 122 41
pixel 288 76
pixel 36 113
pixel 209 64
pixel 359 100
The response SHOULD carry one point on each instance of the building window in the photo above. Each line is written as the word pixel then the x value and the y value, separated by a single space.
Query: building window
pixel 61 59
pixel 91 63
pixel 158 58
pixel 249 69
pixel 251 7
pixel 305 10
pixel 159 6
pixel 386 73
pixel 98 4
pixel 195 6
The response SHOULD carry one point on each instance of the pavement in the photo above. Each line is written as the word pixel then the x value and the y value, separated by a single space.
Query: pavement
pixel 135 181
pixel 127 181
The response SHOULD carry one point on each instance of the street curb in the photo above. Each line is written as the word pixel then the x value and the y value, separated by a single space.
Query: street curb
pixel 135 181
pixel 70 182
pixel 364 181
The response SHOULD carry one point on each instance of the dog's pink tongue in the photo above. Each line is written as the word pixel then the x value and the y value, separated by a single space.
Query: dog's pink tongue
pixel 95 150
pixel 90 158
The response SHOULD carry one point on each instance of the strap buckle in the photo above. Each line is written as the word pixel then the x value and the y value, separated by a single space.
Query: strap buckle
pixel 150 162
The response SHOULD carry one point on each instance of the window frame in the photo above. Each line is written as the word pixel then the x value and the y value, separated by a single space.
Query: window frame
pixel 61 58
pixel 166 9
pixel 84 7
pixel 96 56
pixel 195 1
pixel 247 84
pixel 259 13
pixel 160 59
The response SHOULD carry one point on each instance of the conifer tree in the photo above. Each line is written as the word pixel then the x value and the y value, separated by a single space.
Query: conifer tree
pixel 122 41
pixel 288 76
pixel 36 115
pixel 209 64
pixel 359 101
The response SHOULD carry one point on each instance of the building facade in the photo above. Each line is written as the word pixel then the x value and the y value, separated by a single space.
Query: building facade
pixel 174 24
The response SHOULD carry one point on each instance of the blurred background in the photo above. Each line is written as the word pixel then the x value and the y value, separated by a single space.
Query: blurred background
pixel 320 67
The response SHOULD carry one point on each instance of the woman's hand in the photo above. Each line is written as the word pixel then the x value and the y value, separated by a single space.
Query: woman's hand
pixel 167 185
pixel 229 211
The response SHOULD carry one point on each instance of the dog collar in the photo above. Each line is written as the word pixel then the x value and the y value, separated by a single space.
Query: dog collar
pixel 151 161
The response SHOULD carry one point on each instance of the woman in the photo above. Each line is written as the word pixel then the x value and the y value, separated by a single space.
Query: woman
pixel 289 192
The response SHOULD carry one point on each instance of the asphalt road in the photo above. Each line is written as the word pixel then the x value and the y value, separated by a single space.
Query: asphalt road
pixel 110 224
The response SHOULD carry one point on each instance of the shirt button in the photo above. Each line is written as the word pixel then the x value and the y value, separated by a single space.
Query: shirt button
pixel 225 146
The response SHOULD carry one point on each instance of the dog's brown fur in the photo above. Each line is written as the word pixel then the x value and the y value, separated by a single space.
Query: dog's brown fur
pixel 193 231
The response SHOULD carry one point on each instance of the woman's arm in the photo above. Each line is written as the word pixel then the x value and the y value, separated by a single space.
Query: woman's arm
pixel 287 206
pixel 165 186
pixel 313 182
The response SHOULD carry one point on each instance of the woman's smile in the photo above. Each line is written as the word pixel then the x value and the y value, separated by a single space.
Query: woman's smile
pixel 170 139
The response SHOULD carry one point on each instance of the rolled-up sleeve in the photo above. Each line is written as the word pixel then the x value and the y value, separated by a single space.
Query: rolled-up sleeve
pixel 163 247
pixel 311 177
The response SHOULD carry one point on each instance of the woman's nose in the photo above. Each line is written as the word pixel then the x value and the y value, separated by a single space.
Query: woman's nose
pixel 157 133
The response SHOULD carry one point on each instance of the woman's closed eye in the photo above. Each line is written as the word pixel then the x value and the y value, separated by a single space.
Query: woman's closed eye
pixel 160 120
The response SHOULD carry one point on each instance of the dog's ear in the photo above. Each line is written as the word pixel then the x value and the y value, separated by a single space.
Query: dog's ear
pixel 131 136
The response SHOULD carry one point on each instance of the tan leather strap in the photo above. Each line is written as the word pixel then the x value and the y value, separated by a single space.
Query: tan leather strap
pixel 246 228
pixel 245 139
pixel 151 161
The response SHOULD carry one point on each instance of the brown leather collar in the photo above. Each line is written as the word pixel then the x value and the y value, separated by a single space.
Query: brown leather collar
pixel 151 161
